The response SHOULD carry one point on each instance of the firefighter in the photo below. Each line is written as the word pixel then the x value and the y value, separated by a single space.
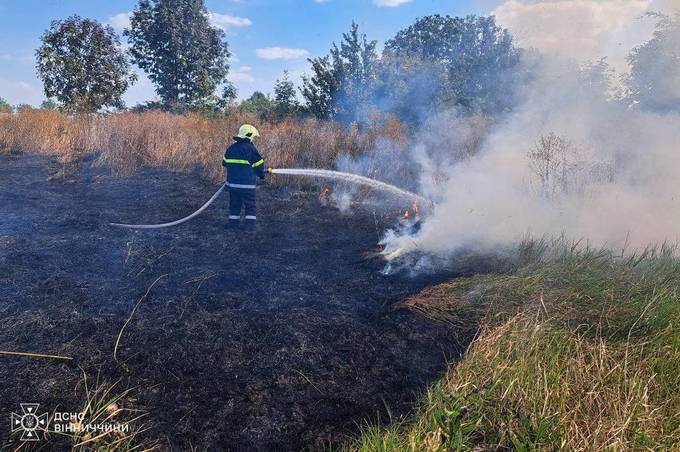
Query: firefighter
pixel 244 165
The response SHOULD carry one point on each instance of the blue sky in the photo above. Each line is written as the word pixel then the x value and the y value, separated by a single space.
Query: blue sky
pixel 265 36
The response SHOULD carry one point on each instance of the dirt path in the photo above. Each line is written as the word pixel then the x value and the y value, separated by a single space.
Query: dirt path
pixel 284 339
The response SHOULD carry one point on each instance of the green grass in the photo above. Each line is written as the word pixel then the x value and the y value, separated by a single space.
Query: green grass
pixel 578 350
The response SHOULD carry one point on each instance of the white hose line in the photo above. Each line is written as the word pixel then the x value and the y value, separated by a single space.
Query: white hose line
pixel 174 223
pixel 354 178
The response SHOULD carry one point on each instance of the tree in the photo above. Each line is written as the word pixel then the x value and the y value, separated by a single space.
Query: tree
pixel 342 82
pixel 258 103
pixel 49 104
pixel 595 80
pixel 228 98
pixel 174 43
pixel 81 65
pixel 285 100
pixel 443 61
pixel 5 107
pixel 654 80
pixel 320 89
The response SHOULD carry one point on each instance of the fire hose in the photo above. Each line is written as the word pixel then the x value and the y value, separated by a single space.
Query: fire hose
pixel 176 222
pixel 354 178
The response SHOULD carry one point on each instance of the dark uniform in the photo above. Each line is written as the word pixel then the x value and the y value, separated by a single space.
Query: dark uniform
pixel 244 165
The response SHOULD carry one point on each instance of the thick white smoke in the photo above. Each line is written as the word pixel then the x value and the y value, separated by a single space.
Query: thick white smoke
pixel 614 172
pixel 579 29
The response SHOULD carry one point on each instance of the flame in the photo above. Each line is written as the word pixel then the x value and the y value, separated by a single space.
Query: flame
pixel 324 194
pixel 413 211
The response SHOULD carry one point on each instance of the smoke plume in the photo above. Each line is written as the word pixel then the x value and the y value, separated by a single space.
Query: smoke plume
pixel 568 161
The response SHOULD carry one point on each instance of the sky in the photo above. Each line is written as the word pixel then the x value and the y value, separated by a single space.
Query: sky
pixel 267 37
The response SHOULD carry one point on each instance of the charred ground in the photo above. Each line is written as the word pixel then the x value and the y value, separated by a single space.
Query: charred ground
pixel 284 339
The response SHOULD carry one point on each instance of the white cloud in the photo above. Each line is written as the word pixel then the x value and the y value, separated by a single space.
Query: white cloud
pixel 390 3
pixel 242 75
pixel 281 53
pixel 120 21
pixel 18 58
pixel 20 92
pixel 578 29
pixel 224 21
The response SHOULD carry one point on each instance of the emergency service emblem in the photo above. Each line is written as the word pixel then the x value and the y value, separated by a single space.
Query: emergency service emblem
pixel 29 422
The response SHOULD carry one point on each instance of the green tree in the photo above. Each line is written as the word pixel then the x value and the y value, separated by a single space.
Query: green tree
pixel 49 104
pixel 654 80
pixel 5 107
pixel 342 82
pixel 174 43
pixel 285 99
pixel 320 88
pixel 443 61
pixel 258 103
pixel 229 94
pixel 81 65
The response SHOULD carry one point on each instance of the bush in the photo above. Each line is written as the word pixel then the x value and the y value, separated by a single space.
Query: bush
pixel 5 107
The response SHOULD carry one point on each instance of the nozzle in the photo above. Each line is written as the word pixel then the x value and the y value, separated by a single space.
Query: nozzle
pixel 270 170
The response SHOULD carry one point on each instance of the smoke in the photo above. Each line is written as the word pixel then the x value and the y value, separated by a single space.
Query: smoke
pixel 419 164
pixel 578 156
pixel 579 29
pixel 568 161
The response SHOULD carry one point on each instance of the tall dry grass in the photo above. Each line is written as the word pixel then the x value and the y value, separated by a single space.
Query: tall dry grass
pixel 128 141
pixel 47 132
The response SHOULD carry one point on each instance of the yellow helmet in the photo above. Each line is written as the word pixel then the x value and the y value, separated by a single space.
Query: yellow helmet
pixel 247 131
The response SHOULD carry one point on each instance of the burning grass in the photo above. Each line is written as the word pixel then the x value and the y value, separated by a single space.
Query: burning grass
pixel 578 352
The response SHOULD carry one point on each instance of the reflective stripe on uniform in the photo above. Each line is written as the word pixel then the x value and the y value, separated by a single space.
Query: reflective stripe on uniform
pixel 251 217
pixel 258 163
pixel 240 185
pixel 241 162
pixel 234 217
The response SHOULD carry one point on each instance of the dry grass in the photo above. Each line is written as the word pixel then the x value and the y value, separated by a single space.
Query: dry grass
pixel 48 132
pixel 107 406
pixel 578 352
pixel 127 141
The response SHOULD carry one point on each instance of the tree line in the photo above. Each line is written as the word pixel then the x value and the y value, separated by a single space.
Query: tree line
pixel 467 63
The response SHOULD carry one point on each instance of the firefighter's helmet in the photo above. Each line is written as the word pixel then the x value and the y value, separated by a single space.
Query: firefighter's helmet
pixel 247 131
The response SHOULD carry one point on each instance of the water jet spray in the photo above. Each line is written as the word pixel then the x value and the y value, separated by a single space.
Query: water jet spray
pixel 325 174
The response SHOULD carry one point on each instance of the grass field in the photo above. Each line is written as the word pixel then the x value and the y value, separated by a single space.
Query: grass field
pixel 129 141
pixel 575 349
pixel 579 350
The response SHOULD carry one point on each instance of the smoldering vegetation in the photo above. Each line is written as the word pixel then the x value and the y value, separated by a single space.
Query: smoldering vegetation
pixel 196 336
pixel 544 147
pixel 587 153
pixel 511 145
